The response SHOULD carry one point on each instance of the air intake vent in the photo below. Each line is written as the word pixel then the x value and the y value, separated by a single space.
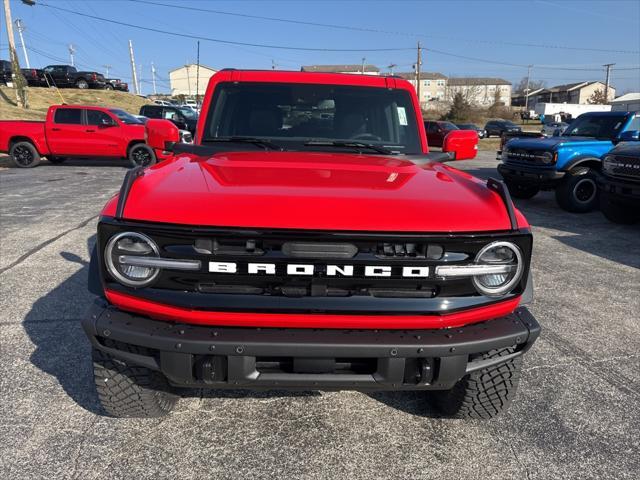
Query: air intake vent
pixel 409 250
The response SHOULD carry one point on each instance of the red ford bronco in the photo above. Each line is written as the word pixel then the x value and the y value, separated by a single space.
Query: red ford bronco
pixel 309 240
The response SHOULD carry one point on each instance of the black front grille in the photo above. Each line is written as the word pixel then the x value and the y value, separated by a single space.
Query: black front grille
pixel 622 166
pixel 527 157
pixel 342 264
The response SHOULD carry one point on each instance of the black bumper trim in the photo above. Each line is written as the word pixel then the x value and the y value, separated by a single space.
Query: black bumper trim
pixel 179 350
pixel 627 192
pixel 534 176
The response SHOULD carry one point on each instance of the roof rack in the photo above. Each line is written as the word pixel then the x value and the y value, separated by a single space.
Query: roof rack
pixel 501 189
pixel 127 183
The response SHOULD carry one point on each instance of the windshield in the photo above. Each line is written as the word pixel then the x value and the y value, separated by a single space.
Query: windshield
pixel 126 117
pixel 188 112
pixel 596 126
pixel 292 115
pixel 448 126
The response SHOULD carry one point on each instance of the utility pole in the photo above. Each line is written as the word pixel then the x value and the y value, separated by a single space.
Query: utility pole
pixel 363 60
pixel 198 74
pixel 188 79
pixel 606 83
pixel 418 64
pixel 140 79
pixel 20 27
pixel 134 74
pixel 526 90
pixel 153 78
pixel 391 67
pixel 72 50
pixel 273 64
pixel 18 79
pixel 107 68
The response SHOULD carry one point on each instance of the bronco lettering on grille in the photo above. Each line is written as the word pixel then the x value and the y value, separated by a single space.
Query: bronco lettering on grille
pixel 294 269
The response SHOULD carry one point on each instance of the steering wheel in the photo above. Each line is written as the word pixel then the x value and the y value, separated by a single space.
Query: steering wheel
pixel 366 136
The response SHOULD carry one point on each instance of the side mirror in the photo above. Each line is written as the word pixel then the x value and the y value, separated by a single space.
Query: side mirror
pixel 161 135
pixel 461 144
pixel 630 136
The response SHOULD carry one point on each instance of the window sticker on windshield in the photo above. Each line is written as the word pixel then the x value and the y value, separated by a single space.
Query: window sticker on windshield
pixel 402 116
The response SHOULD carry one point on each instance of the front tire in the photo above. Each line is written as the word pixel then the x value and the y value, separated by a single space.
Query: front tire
pixel 24 155
pixel 82 83
pixel 130 391
pixel 617 213
pixel 141 155
pixel 108 86
pixel 482 394
pixel 578 191
pixel 522 190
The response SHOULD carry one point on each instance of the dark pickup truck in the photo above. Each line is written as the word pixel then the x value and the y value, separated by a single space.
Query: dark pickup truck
pixel 33 76
pixel 67 76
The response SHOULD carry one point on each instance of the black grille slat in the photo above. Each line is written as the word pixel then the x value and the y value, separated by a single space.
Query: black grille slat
pixel 625 167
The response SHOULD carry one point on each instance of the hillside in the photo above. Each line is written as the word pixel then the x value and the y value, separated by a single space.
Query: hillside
pixel 41 98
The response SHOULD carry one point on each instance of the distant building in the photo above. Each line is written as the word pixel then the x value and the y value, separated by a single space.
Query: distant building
pixel 571 93
pixel 629 102
pixel 519 99
pixel 433 87
pixel 480 91
pixel 356 69
pixel 185 81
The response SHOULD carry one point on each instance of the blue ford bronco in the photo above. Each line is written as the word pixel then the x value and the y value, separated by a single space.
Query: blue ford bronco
pixel 567 163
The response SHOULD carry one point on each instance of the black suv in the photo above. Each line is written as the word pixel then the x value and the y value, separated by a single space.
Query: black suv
pixel 619 183
pixel 184 118
pixel 498 127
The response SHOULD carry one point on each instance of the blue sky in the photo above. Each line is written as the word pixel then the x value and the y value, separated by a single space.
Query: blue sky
pixel 566 37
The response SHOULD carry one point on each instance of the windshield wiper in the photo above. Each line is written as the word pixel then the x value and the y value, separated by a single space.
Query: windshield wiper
pixel 347 144
pixel 260 142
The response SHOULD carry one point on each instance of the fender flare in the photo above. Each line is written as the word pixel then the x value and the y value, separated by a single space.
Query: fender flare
pixel 580 161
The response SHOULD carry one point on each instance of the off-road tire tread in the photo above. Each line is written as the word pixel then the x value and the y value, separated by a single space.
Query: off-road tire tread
pixel 482 394
pixel 130 391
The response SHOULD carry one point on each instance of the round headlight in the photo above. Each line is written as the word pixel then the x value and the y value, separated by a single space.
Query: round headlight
pixel 127 245
pixel 547 157
pixel 499 254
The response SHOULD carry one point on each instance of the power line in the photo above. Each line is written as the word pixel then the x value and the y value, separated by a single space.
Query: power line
pixel 223 41
pixel 375 30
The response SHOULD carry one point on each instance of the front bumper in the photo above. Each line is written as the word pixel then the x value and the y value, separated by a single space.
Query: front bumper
pixel 544 178
pixel 322 359
pixel 621 191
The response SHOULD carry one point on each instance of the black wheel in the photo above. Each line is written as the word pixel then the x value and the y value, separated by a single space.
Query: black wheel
pixel 617 213
pixel 24 155
pixel 141 155
pixel 522 190
pixel 108 86
pixel 56 160
pixel 130 391
pixel 482 394
pixel 578 191
pixel 82 83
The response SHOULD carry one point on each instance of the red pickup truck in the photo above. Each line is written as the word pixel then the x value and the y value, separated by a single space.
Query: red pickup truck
pixel 76 131
pixel 309 240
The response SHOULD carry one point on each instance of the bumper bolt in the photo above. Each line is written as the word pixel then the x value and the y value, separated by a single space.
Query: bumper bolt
pixel 420 350
pixel 394 352
pixel 452 349
pixel 239 349
pixel 212 347
pixel 106 333
pixel 178 345
pixel 518 339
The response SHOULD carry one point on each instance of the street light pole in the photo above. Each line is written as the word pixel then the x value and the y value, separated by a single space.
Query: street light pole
pixel 20 27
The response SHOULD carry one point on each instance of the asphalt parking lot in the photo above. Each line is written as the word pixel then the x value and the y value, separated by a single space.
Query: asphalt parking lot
pixel 577 413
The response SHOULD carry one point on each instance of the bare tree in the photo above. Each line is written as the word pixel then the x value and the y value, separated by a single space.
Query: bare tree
pixel 521 86
pixel 598 97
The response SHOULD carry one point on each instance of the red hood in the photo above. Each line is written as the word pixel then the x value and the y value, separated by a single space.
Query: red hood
pixel 314 191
